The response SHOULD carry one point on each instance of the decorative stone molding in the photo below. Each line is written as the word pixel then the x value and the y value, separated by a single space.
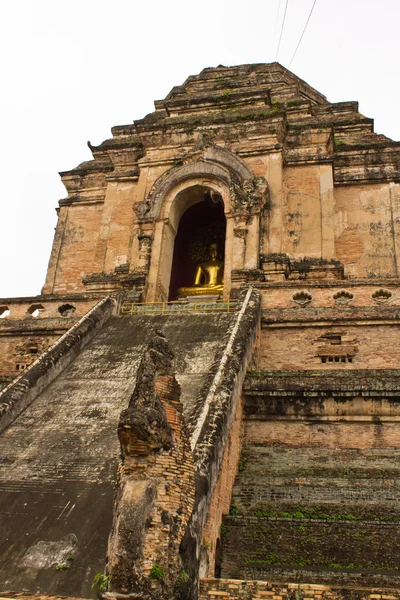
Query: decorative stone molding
pixel 302 298
pixel 244 276
pixel 240 232
pixel 214 162
pixel 343 297
pixel 381 296
pixel 145 240
pixel 316 268
pixel 115 282
pixel 247 196
pixel 124 268
pixel 276 266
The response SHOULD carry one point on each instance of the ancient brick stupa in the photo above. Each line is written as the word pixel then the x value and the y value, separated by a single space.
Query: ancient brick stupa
pixel 204 401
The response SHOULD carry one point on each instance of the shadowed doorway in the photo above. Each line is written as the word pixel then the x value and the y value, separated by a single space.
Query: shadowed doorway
pixel 201 225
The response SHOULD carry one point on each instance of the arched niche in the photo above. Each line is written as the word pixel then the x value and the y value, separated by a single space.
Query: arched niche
pixel 201 225
pixel 243 196
pixel 177 202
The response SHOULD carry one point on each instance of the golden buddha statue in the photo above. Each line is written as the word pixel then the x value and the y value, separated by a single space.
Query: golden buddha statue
pixel 208 277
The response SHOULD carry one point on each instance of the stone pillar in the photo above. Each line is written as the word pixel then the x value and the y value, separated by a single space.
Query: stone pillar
pixel 252 249
pixel 272 243
pixel 106 219
pixel 48 287
pixel 239 244
pixel 327 211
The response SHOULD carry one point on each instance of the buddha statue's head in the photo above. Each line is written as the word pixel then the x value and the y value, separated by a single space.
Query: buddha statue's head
pixel 213 251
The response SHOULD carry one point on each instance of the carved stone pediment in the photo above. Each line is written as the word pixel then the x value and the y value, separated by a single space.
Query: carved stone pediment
pixel 247 196
pixel 248 193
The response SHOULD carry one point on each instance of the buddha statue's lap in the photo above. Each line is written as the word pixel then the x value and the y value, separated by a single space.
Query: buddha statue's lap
pixel 208 277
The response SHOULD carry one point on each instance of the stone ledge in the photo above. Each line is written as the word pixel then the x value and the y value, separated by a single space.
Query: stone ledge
pixel 238 589
pixel 342 380
pixel 340 314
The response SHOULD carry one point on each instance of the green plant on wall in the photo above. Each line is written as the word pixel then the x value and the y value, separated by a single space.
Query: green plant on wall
pixel 234 510
pixel 182 578
pixel 242 462
pixel 100 582
pixel 157 572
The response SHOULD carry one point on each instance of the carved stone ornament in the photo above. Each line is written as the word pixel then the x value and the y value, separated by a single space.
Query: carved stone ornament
pixel 143 208
pixel 381 296
pixel 240 232
pixel 343 297
pixel 302 298
pixel 145 418
pixel 145 240
pixel 247 196
pixel 248 193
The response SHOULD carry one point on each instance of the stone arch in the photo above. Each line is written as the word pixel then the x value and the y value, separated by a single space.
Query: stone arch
pixel 175 204
pixel 173 209
pixel 243 196
pixel 212 162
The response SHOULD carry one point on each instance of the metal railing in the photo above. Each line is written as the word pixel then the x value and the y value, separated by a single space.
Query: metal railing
pixel 164 308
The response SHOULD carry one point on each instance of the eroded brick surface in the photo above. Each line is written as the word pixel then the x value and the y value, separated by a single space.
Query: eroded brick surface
pixel 236 589
pixel 59 458
pixel 311 200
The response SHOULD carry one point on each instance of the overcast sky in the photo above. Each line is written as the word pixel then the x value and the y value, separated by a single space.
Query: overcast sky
pixel 71 70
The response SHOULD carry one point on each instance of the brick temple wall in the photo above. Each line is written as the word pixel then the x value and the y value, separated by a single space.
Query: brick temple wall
pixel 233 589
pixel 300 347
pixel 28 326
pixel 222 495
pixel 316 494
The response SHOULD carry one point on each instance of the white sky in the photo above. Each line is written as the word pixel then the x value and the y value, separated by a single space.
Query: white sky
pixel 71 70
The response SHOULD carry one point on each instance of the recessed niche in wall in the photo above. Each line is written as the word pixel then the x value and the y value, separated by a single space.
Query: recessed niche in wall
pixel 343 297
pixel 336 347
pixel 4 312
pixel 302 298
pixel 381 296
pixel 35 310
pixel 66 310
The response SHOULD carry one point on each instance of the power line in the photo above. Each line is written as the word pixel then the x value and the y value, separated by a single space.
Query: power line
pixel 276 26
pixel 301 37
pixel 283 24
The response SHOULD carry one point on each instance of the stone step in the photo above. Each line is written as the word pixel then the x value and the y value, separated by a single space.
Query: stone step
pixel 333 551
pixel 319 461
pixel 289 496
pixel 366 480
